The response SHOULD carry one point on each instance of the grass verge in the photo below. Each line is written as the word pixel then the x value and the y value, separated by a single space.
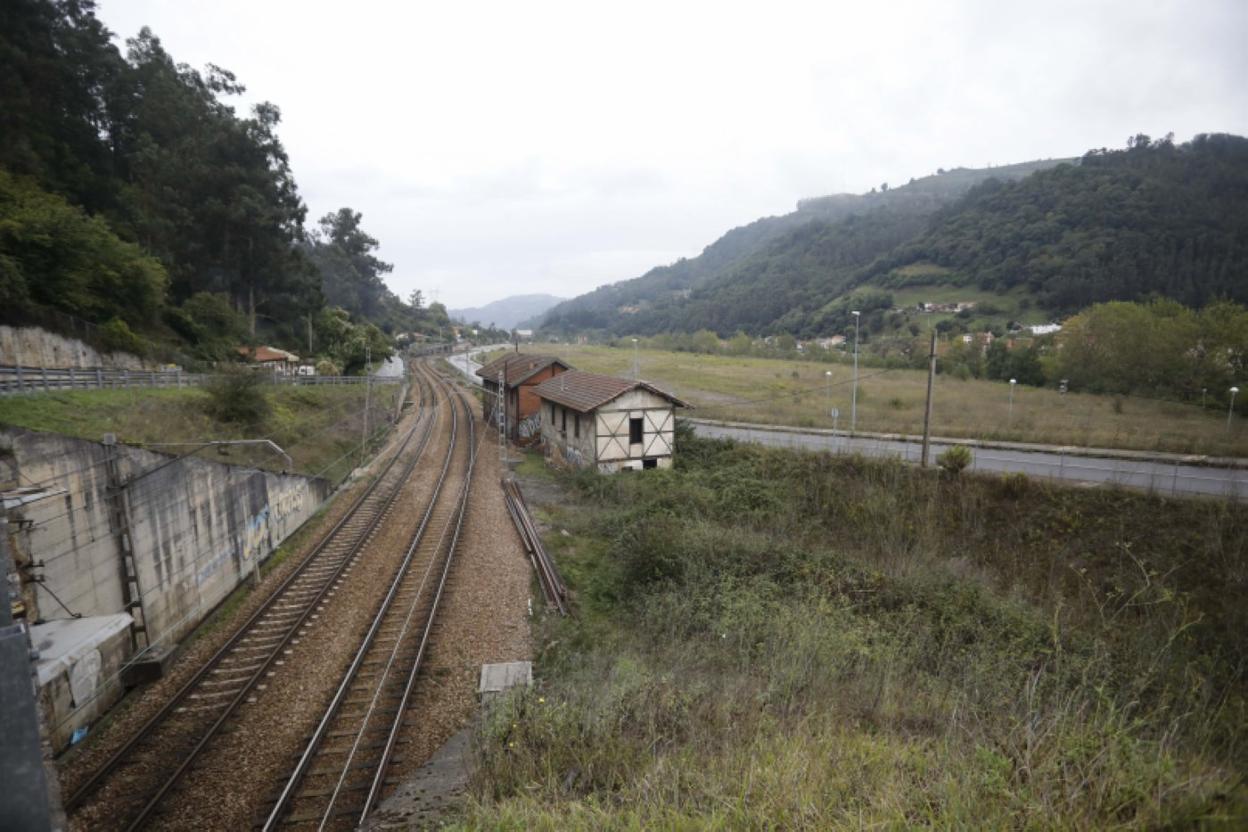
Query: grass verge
pixel 777 391
pixel 318 426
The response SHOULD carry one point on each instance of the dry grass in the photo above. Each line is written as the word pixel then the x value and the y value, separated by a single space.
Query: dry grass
pixel 796 393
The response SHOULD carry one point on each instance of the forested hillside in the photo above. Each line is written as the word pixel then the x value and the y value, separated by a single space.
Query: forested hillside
pixel 1157 218
pixel 137 206
pixel 1154 218
pixel 669 297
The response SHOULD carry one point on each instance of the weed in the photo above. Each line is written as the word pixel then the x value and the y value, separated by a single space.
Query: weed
pixel 954 460
pixel 775 639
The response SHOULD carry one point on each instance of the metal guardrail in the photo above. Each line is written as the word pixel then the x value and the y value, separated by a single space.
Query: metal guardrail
pixel 16 379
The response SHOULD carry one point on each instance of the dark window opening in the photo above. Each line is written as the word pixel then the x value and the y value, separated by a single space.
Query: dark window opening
pixel 564 428
pixel 634 431
pixel 650 463
pixel 576 426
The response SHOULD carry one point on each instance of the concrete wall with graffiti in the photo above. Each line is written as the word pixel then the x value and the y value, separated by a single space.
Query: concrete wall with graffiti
pixel 198 528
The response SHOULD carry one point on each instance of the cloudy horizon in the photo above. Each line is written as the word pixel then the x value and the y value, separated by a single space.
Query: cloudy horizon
pixel 503 149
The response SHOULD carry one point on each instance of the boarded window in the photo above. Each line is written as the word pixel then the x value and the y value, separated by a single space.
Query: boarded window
pixel 634 431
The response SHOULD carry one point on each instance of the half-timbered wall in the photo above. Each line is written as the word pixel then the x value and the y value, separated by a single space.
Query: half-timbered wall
pixel 614 448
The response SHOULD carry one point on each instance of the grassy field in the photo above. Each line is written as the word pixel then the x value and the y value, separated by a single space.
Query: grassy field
pixel 317 426
pixel 797 393
pixel 769 639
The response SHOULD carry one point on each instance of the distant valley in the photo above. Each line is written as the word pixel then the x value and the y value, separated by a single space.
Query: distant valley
pixel 509 313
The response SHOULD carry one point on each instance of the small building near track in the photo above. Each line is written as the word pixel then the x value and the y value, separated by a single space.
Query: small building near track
pixel 521 374
pixel 608 422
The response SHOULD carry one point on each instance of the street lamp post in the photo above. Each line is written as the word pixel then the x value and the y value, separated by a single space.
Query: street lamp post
pixel 853 401
pixel 1013 381
pixel 1230 411
pixel 828 393
pixel 636 362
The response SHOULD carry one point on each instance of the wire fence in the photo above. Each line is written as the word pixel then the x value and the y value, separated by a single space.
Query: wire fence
pixel 16 379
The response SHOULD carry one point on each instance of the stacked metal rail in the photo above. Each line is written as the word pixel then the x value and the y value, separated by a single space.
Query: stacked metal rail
pixel 169 741
pixel 339 777
pixel 548 575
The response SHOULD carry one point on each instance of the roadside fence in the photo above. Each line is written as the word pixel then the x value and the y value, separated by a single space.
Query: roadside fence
pixel 16 379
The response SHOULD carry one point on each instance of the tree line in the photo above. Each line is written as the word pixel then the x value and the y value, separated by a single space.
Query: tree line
pixel 133 197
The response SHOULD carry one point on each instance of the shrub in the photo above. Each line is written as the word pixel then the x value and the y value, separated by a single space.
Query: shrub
pixel 116 336
pixel 325 367
pixel 1015 486
pixel 237 395
pixel 954 460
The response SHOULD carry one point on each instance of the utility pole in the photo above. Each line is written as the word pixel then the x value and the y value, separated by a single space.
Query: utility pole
pixel 927 414
pixel 500 410
pixel 853 401
pixel 309 336
pixel 368 396
pixel 636 362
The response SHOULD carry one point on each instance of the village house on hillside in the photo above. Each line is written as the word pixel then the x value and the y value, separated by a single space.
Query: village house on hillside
pixel 521 373
pixel 612 423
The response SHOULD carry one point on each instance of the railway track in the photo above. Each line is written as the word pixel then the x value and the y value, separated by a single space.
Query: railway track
pixel 153 760
pixel 341 774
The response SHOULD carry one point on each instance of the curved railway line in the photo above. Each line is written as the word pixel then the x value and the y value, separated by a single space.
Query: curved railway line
pixel 151 762
pixel 341 774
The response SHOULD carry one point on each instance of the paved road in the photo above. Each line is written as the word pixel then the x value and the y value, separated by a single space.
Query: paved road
pixel 462 362
pixel 1161 476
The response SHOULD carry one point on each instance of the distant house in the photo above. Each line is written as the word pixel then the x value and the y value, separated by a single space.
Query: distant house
pixel 1045 329
pixel 271 358
pixel 611 423
pixel 831 343
pixel 521 373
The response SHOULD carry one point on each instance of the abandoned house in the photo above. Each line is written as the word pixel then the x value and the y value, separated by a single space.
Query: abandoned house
pixel 521 373
pixel 613 423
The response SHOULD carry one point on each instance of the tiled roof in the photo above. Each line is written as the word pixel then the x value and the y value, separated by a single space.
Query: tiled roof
pixel 518 366
pixel 261 354
pixel 584 391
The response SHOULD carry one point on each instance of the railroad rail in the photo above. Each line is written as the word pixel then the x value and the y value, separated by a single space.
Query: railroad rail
pixel 548 574
pixel 340 776
pixel 186 724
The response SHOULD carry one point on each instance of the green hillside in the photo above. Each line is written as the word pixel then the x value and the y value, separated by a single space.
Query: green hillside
pixel 1033 242
pixel 852 228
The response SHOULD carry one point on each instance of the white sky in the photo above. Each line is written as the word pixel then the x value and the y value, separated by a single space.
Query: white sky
pixel 514 147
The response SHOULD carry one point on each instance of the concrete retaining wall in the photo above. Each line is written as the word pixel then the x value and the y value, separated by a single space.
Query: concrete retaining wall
pixel 198 529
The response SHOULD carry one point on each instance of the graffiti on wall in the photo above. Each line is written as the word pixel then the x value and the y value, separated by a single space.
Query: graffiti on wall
pixel 530 426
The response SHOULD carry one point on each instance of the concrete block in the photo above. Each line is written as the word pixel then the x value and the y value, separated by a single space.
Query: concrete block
pixel 496 678
pixel 147 668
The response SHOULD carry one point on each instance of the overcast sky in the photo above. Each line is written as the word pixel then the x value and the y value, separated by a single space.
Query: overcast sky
pixel 515 147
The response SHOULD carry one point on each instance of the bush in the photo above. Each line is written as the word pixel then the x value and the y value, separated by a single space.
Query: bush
pixel 237 395
pixel 116 336
pixel 954 460
pixel 325 367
